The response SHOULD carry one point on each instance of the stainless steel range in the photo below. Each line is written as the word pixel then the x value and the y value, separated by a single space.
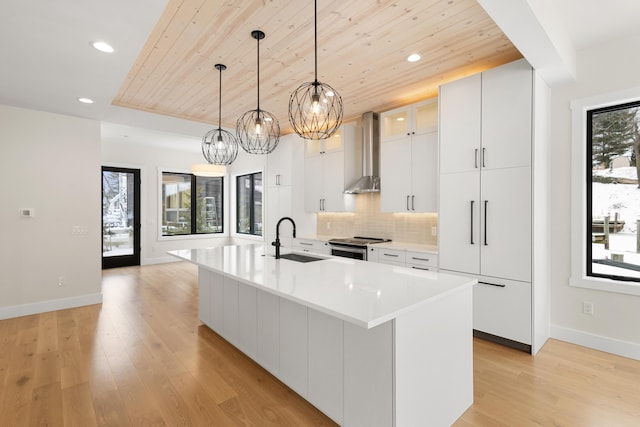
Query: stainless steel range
pixel 353 247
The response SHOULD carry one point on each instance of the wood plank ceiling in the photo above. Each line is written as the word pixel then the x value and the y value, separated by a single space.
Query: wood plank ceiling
pixel 362 51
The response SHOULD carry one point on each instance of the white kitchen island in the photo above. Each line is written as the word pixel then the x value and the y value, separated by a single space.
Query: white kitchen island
pixel 368 344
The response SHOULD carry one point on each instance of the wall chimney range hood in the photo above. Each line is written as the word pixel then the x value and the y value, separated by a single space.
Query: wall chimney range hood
pixel 369 182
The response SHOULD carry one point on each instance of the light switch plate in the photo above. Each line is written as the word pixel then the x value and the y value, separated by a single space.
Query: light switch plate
pixel 26 212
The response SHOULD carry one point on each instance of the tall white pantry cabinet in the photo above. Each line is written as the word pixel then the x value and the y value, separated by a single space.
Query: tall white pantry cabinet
pixel 494 199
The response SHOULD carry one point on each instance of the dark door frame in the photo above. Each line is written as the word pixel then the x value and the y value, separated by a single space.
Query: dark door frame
pixel 125 260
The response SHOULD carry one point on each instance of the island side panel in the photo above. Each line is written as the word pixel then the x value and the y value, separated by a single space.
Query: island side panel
pixel 368 375
pixel 434 360
pixel 204 295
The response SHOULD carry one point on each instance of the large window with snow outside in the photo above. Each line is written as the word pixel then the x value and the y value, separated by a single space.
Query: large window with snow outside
pixel 249 204
pixel 613 192
pixel 191 204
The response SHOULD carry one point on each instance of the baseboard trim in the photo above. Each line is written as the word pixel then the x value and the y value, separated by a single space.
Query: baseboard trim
pixel 596 342
pixel 50 305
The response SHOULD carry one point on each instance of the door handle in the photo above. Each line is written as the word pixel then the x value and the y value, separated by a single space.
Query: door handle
pixel 486 204
pixel 493 284
pixel 484 152
pixel 472 222
pixel 476 158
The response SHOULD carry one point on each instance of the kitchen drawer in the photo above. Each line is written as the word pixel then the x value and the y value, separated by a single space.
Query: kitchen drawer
pixel 503 308
pixel 422 260
pixel 309 245
pixel 391 256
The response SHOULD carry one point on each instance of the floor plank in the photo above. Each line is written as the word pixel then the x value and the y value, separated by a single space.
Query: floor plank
pixel 143 358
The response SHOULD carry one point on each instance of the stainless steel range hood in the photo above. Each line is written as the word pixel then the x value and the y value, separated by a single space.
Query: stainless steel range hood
pixel 369 182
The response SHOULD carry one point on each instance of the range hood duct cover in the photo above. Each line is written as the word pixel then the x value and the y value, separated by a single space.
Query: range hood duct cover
pixel 370 180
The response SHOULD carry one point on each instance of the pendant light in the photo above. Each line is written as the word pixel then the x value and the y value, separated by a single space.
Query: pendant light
pixel 219 146
pixel 315 109
pixel 258 130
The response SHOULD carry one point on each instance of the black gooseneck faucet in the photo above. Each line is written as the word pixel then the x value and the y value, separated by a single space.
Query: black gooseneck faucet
pixel 277 242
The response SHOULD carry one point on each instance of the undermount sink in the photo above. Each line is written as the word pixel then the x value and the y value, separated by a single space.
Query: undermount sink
pixel 300 257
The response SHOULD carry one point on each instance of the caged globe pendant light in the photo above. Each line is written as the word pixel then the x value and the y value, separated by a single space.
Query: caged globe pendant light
pixel 219 146
pixel 258 130
pixel 315 109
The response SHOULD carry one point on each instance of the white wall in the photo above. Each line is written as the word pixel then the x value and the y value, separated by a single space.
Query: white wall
pixel 150 160
pixel 615 323
pixel 50 163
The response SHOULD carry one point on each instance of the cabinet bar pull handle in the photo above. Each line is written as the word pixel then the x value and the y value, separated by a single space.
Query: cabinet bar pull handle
pixel 420 268
pixel 408 203
pixel 486 204
pixel 306 244
pixel 277 179
pixel 498 285
pixel 472 222
pixel 420 259
pixel 476 158
pixel 413 205
pixel 393 255
pixel 484 152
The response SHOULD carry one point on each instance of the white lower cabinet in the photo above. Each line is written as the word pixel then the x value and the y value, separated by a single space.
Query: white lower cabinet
pixel 326 338
pixel 217 302
pixel 311 245
pixel 427 261
pixel 368 375
pixel 509 315
pixel 230 311
pixel 247 320
pixel 293 346
pixel 268 320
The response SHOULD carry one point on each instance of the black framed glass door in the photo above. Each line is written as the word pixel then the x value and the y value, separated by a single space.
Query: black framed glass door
pixel 120 217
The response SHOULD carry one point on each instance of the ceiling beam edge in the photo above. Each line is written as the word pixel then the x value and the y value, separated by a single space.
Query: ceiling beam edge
pixel 533 28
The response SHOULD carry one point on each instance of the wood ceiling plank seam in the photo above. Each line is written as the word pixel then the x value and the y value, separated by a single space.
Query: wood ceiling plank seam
pixel 161 48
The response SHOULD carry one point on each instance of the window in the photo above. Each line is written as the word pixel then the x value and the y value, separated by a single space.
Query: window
pixel 613 194
pixel 605 197
pixel 249 204
pixel 191 212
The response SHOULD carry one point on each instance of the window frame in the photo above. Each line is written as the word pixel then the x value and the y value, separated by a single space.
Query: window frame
pixel 579 196
pixel 252 212
pixel 193 183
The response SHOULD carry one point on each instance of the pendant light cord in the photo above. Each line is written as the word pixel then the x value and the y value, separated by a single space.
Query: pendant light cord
pixel 258 61
pixel 315 37
pixel 220 102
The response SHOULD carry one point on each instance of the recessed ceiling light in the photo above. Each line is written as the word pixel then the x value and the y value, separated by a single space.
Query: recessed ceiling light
pixel 102 47
pixel 86 100
pixel 413 57
pixel 400 119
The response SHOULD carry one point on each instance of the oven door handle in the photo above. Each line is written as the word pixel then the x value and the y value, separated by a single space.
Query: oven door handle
pixel 349 249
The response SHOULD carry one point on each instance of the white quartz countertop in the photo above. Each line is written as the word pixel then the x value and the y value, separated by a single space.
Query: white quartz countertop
pixel 364 293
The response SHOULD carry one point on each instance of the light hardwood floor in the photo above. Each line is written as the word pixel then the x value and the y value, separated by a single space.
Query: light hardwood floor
pixel 142 358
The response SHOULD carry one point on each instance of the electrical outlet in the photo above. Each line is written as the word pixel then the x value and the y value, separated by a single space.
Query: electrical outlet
pixel 61 281
pixel 434 231
pixel 587 308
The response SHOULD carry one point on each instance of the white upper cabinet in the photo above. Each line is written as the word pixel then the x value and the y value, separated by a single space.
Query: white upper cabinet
pixel 506 116
pixel 279 163
pixel 409 158
pixel 460 106
pixel 495 108
pixel 329 166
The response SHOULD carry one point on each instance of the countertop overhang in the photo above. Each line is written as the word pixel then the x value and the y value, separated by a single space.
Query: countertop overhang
pixel 366 294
